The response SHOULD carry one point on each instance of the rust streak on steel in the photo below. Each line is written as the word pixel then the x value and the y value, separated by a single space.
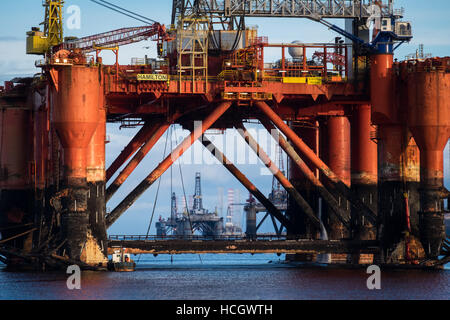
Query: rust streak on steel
pixel 243 246
pixel 326 195
pixel 166 163
pixel 143 151
pixel 146 131
pixel 246 183
pixel 303 204
pixel 338 184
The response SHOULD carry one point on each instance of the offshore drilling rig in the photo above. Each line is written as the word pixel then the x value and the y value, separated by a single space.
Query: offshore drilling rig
pixel 364 135
pixel 192 219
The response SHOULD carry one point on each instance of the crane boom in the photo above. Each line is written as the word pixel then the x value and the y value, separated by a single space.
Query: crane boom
pixel 117 38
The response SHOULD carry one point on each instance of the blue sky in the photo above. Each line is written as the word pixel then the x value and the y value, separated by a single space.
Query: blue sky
pixel 431 27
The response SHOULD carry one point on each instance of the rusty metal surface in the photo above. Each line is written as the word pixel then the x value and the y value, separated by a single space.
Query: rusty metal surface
pixel 247 183
pixel 166 163
pixel 243 246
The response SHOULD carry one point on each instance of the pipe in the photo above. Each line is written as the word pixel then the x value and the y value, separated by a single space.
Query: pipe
pixel 246 183
pixel 306 171
pixel 338 184
pixel 166 163
pixel 278 174
pixel 157 133
pixel 146 131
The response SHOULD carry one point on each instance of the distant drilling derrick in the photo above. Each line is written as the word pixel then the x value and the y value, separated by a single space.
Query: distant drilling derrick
pixel 198 204
pixel 363 135
pixel 185 224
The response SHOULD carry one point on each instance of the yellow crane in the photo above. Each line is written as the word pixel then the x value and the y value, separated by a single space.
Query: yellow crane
pixel 40 42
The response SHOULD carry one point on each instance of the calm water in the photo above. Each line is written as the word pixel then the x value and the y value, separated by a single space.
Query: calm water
pixel 230 277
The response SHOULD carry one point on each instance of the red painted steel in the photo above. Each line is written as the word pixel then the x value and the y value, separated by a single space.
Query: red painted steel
pixel 158 131
pixel 41 143
pixel 382 89
pixel 16 154
pixel 287 185
pixel 135 143
pixel 338 129
pixel 75 116
pixel 95 153
pixel 246 183
pixel 429 120
pixel 306 171
pixel 298 142
pixel 167 162
pixel 391 141
pixel 364 162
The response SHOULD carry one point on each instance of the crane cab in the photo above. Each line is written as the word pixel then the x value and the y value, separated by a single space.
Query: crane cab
pixel 37 42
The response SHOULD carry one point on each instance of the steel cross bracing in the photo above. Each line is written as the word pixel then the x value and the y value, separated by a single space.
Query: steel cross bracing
pixel 281 8
pixel 115 38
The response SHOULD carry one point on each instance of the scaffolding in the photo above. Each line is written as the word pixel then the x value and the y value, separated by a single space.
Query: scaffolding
pixel 192 47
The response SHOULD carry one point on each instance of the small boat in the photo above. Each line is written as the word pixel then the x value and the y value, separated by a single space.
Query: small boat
pixel 121 261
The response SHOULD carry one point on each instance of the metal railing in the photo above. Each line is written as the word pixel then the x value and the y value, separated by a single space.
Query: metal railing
pixel 261 237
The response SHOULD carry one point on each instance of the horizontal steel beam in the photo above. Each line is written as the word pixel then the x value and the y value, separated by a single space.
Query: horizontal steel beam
pixel 283 8
pixel 244 246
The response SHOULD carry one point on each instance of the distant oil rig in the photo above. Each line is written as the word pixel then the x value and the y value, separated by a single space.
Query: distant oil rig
pixel 189 219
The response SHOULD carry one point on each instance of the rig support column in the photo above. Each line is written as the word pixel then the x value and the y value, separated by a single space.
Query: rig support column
pixel 338 147
pixel 96 179
pixel 364 175
pixel 429 121
pixel 76 117
pixel 395 163
pixel 16 199
pixel 309 134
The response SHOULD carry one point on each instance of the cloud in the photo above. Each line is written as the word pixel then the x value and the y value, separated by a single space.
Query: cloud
pixel 13 58
pixel 9 38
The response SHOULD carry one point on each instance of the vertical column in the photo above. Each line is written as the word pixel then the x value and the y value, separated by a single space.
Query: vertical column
pixel 429 121
pixel 310 135
pixel 338 159
pixel 96 246
pixel 75 118
pixel 391 187
pixel 42 211
pixel 250 211
pixel 364 165
pixel 16 158
pixel 393 137
pixel 411 178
